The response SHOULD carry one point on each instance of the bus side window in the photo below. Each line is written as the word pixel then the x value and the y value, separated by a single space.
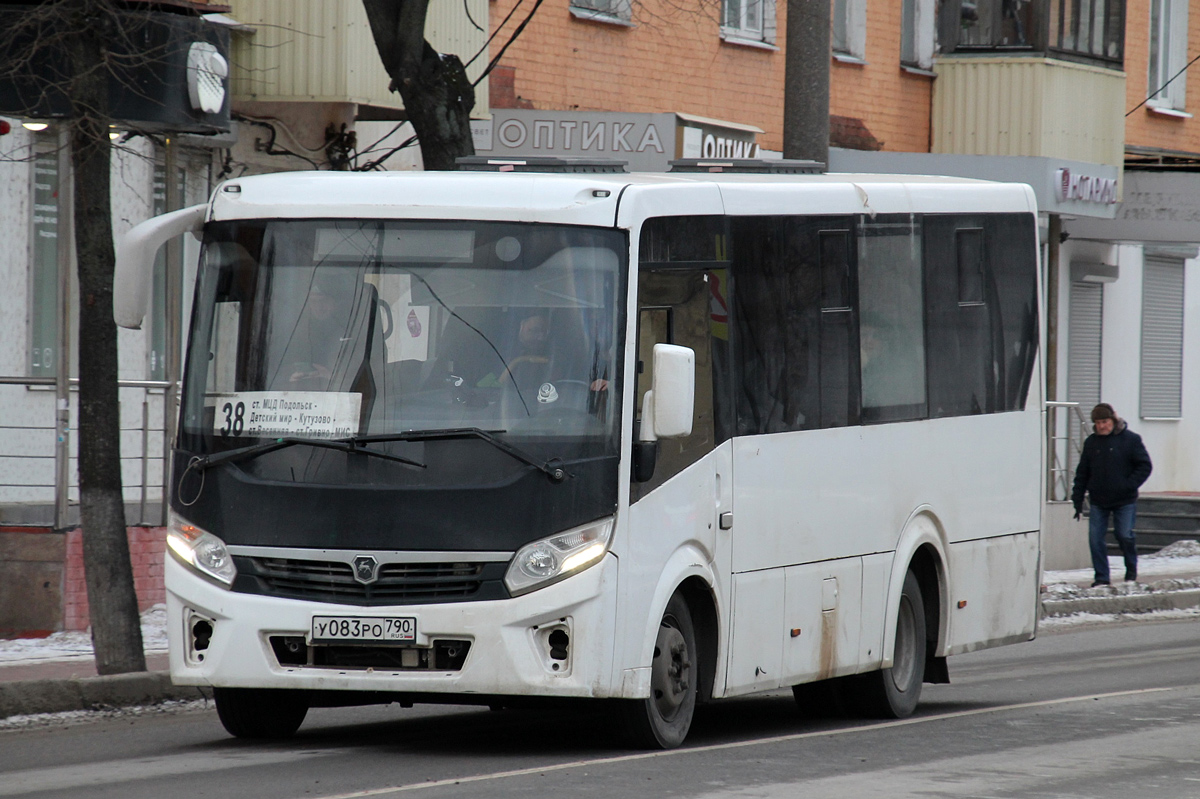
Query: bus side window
pixel 962 367
pixel 793 296
pixel 891 319
pixel 674 308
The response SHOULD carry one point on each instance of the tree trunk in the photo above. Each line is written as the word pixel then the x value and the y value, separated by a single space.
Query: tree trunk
pixel 806 81
pixel 116 631
pixel 437 94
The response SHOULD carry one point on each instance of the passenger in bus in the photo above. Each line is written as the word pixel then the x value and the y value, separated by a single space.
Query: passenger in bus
pixel 1113 464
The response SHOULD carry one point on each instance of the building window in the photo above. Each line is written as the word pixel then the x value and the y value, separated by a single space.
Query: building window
pixel 603 10
pixel 1088 27
pixel 752 20
pixel 1168 54
pixel 850 29
pixel 997 24
pixel 1162 338
pixel 916 33
pixel 1083 30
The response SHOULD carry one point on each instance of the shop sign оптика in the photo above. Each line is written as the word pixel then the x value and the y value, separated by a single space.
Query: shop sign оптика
pixel 647 142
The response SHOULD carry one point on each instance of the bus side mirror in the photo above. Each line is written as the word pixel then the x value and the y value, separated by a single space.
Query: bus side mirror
pixel 134 273
pixel 668 406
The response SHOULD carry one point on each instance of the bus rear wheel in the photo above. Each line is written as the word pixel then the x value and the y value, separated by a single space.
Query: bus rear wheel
pixel 894 693
pixel 263 713
pixel 662 721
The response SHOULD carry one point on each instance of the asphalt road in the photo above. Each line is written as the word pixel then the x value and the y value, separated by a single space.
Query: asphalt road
pixel 1111 711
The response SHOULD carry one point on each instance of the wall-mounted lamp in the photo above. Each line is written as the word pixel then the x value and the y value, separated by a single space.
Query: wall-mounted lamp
pixel 36 127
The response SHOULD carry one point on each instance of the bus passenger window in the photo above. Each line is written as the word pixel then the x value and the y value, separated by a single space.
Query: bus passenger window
pixel 891 320
pixel 793 314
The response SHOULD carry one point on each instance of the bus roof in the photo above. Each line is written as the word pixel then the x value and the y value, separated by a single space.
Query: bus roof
pixel 596 198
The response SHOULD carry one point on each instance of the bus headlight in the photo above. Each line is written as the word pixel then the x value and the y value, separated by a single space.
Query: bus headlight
pixel 201 550
pixel 547 561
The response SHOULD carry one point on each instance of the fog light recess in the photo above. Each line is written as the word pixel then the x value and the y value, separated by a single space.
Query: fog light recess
pixel 198 632
pixel 554 645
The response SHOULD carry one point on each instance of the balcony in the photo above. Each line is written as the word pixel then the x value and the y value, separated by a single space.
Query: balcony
pixel 1039 78
pixel 322 51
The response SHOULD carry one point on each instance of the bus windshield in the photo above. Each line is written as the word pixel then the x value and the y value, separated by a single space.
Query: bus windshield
pixel 337 329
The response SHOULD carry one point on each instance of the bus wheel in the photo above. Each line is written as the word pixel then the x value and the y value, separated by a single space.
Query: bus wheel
pixel 260 712
pixel 663 720
pixel 893 693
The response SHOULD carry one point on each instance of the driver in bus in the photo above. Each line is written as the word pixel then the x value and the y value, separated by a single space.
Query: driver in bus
pixel 531 368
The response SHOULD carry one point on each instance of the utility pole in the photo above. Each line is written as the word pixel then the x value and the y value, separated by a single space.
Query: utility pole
pixel 806 81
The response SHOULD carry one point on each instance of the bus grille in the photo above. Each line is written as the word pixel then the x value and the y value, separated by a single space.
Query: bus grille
pixel 397 583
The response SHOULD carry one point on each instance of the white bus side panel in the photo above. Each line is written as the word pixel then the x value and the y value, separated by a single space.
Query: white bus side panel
pixel 756 657
pixel 797 624
pixel 993 592
pixel 825 494
pixel 672 533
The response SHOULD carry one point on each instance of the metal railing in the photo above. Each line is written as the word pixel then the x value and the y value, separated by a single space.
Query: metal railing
pixel 23 459
pixel 1066 428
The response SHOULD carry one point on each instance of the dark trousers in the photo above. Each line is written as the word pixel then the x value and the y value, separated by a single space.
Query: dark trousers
pixel 1122 519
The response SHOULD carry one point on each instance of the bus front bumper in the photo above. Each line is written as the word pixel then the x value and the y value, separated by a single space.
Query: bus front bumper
pixel 554 642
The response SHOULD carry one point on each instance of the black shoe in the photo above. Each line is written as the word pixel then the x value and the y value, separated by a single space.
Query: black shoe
pixel 1131 577
pixel 1099 583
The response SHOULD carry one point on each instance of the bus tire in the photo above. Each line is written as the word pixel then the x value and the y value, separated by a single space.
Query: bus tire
pixel 662 721
pixel 260 712
pixel 894 693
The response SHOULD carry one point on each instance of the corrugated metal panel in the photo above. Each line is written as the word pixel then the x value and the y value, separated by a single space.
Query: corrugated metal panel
pixel 322 50
pixel 1029 107
pixel 1162 338
pixel 1084 337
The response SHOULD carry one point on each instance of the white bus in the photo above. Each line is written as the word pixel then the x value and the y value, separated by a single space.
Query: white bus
pixel 656 439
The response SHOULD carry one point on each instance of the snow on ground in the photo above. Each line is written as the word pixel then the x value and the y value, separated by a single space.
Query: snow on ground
pixel 71 717
pixel 1172 568
pixel 1055 623
pixel 78 645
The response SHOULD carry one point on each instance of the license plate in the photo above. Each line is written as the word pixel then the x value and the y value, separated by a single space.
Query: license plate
pixel 341 629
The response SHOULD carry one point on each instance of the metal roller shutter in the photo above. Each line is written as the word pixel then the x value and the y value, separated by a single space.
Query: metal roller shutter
pixel 1083 351
pixel 1162 338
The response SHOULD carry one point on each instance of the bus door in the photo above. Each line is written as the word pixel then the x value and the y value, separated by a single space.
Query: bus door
pixel 796 565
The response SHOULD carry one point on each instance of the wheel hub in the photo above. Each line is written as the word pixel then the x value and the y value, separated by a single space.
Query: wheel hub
pixel 670 677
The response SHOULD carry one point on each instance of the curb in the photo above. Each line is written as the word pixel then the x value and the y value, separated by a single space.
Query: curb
pixel 1130 603
pixel 28 697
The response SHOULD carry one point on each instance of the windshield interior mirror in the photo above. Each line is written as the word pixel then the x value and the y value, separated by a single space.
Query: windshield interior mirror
pixel 668 406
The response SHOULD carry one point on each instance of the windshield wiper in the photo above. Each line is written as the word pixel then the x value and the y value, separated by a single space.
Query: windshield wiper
pixel 253 451
pixel 551 468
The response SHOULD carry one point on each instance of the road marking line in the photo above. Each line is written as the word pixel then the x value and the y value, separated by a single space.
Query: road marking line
pixel 799 736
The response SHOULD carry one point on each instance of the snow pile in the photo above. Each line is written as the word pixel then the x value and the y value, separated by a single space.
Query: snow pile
pixel 1180 549
pixel 78 645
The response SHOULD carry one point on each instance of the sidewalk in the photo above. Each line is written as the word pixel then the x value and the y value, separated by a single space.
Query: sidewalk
pixel 1167 580
pixel 58 674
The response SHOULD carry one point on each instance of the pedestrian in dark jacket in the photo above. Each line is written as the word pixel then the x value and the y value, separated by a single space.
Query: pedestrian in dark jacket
pixel 1114 463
